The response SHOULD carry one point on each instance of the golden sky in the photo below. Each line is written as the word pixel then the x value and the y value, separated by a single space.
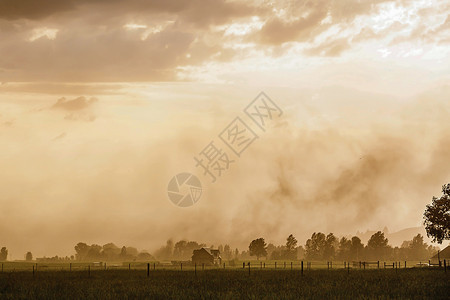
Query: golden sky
pixel 103 101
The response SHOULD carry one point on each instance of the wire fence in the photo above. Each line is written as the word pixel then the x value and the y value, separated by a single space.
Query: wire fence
pixel 302 266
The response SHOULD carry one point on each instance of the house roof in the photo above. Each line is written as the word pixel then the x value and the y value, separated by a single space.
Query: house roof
pixel 444 254
pixel 212 252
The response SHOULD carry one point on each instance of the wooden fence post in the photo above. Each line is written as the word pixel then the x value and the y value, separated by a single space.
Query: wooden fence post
pixel 148 269
pixel 348 267
pixel 378 264
pixel 203 266
pixel 243 265
pixel 33 270
pixel 445 266
pixel 264 265
pixel 405 264
pixel 275 265
pixel 89 270
pixel 302 268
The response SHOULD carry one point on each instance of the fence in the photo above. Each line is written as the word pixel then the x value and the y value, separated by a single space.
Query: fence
pixel 301 266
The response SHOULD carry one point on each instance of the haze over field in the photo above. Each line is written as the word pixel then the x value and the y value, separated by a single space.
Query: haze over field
pixel 102 102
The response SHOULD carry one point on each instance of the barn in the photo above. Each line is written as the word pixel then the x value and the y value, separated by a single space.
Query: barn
pixel 444 254
pixel 206 256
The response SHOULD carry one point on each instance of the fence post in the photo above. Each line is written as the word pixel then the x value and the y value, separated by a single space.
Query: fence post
pixel 89 270
pixel 195 269
pixel 2 267
pixel 378 264
pixel 203 266
pixel 405 264
pixel 348 267
pixel 275 265
pixel 33 270
pixel 224 266
pixel 302 268
pixel 248 268
pixel 243 265
pixel 445 266
pixel 148 269
pixel 264 265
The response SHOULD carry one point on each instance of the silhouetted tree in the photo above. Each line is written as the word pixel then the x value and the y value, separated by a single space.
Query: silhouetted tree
pixel 418 249
pixel 165 252
pixel 3 254
pixel 437 216
pixel 258 248
pixel 28 256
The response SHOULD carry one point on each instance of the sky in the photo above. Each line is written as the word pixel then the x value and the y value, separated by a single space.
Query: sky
pixel 103 102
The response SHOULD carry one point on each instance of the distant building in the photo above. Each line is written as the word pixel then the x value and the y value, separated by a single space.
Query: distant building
pixel 444 254
pixel 206 256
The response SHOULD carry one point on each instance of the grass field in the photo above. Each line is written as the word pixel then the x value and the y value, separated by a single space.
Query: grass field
pixel 412 283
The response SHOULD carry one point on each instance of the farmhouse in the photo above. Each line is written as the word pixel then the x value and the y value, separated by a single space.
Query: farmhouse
pixel 206 256
pixel 444 254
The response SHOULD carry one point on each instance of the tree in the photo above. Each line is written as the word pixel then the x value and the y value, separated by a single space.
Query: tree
pixel 344 249
pixel 330 247
pixel 3 254
pixel 377 245
pixel 417 248
pixel 82 250
pixel 357 248
pixel 28 256
pixel 437 216
pixel 227 254
pixel 291 245
pixel 258 248
pixel 315 246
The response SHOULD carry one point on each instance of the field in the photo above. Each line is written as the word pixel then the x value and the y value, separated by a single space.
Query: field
pixel 233 283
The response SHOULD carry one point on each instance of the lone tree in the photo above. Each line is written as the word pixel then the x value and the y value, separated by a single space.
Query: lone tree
pixel 437 216
pixel 258 248
pixel 28 256
pixel 3 254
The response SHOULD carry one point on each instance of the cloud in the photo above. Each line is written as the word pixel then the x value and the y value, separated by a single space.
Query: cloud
pixel 79 103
